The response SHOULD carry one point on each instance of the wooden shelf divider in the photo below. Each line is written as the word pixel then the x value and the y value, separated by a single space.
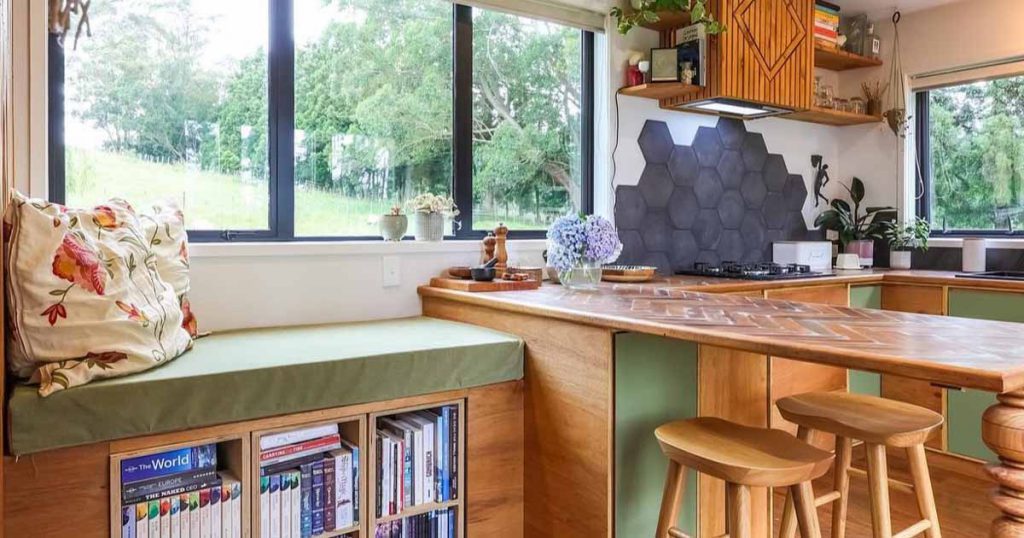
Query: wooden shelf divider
pixel 659 90
pixel 840 60
pixel 827 116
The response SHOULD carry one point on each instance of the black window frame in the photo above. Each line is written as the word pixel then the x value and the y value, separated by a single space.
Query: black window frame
pixel 923 175
pixel 281 132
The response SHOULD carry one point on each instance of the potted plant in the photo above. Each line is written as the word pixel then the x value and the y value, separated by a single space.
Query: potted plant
pixel 393 225
pixel 904 238
pixel 646 11
pixel 577 247
pixel 857 231
pixel 429 212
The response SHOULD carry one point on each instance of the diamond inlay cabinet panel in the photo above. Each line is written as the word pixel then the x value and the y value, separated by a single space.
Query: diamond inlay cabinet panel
pixel 724 198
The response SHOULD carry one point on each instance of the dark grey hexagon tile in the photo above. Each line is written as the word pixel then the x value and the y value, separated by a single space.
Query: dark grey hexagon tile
pixel 656 142
pixel 630 207
pixel 795 192
pixel 731 246
pixel 731 209
pixel 775 173
pixel 656 185
pixel 684 250
pixel 730 169
pixel 753 230
pixel 709 256
pixel 708 146
pixel 796 226
pixel 708 188
pixel 683 207
pixel 753 190
pixel 683 166
pixel 731 132
pixel 754 256
pixel 772 236
pixel 632 247
pixel 707 229
pixel 657 232
pixel 659 260
pixel 774 211
pixel 754 152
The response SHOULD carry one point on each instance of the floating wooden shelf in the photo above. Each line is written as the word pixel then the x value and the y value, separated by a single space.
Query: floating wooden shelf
pixel 660 90
pixel 669 20
pixel 840 60
pixel 827 116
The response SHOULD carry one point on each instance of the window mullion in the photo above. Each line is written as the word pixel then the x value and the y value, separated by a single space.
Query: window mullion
pixel 462 121
pixel 281 112
pixel 587 125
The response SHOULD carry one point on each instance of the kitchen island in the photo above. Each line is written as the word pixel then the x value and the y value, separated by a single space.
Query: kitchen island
pixel 603 367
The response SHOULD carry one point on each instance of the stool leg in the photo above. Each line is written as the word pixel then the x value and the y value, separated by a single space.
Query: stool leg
pixel 787 528
pixel 674 482
pixel 841 484
pixel 923 489
pixel 738 506
pixel 878 491
pixel 806 513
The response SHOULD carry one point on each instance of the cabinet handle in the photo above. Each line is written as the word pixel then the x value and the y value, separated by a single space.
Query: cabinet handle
pixel 950 387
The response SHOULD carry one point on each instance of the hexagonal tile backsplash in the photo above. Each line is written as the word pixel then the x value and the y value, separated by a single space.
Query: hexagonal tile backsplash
pixel 725 198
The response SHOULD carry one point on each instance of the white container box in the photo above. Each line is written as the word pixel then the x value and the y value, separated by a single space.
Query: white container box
pixel 816 254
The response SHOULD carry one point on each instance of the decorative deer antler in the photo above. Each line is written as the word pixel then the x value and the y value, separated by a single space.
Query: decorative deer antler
pixel 61 12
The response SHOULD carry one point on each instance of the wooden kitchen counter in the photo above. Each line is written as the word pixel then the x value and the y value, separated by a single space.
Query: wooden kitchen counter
pixel 604 368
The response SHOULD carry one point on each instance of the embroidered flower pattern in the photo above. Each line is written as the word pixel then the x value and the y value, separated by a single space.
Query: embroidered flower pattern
pixel 105 217
pixel 79 265
pixel 188 322
pixel 134 313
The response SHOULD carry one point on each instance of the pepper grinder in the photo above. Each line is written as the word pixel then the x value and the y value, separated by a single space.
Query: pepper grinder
pixel 489 243
pixel 501 254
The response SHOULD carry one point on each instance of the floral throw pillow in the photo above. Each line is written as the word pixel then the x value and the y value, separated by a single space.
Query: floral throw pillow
pixel 86 299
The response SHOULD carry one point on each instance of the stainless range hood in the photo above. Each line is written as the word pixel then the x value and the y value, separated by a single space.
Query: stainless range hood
pixel 733 108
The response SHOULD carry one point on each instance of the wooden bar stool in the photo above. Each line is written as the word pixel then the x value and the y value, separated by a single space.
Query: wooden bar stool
pixel 880 423
pixel 742 457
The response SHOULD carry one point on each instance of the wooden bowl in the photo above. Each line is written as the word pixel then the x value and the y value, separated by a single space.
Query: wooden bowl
pixel 460 271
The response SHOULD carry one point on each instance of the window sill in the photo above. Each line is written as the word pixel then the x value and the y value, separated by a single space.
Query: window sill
pixel 346 248
pixel 991 242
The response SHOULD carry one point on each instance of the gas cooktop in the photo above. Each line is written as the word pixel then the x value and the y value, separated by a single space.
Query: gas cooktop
pixel 753 271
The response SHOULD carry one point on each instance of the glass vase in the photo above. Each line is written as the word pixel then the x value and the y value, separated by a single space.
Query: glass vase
pixel 585 276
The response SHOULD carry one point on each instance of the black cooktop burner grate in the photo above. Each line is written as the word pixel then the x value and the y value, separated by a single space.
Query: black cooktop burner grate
pixel 753 271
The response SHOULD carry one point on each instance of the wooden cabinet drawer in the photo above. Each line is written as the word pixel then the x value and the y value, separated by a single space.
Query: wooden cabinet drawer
pixel 920 393
pixel 914 299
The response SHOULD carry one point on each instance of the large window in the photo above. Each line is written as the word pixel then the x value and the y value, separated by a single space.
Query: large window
pixel 971 148
pixel 306 119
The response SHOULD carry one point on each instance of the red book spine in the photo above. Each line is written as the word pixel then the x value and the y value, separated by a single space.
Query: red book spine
pixel 312 444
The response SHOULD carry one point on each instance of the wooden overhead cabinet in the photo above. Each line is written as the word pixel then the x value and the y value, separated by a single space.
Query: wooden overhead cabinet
pixel 766 56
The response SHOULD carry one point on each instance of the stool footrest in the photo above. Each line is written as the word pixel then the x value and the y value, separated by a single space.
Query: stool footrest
pixel 914 530
pixel 827 498
pixel 676 533
pixel 897 484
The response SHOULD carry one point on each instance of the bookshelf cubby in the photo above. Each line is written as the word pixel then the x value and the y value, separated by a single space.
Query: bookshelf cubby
pixel 352 429
pixel 232 456
pixel 457 503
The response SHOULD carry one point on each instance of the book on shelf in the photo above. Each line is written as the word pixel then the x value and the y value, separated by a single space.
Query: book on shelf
pixel 142 520
pixel 275 440
pixel 275 505
pixel 171 462
pixel 330 510
pixel 154 518
pixel 306 503
pixel 194 515
pixel 185 482
pixel 184 516
pixel 204 514
pixel 295 517
pixel 216 513
pixel 692 48
pixel 434 524
pixel 175 516
pixel 344 475
pixel 265 507
pixel 165 518
pixel 317 496
pixel 355 478
pixel 286 506
pixel 300 450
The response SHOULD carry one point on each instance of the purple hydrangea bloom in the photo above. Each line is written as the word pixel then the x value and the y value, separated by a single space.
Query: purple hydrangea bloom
pixel 575 238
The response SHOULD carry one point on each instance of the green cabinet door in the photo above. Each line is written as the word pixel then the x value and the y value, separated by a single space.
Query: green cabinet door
pixel 964 408
pixel 655 383
pixel 866 382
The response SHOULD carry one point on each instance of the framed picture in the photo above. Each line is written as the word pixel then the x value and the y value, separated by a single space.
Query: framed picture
pixel 664 65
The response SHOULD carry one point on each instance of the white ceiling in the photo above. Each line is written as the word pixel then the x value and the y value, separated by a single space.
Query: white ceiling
pixel 875 8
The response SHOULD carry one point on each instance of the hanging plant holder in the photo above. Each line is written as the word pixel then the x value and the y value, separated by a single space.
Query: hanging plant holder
pixel 896 115
pixel 61 14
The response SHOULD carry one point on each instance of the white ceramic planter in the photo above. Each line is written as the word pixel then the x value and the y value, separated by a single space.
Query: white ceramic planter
pixel 393 227
pixel 429 226
pixel 900 259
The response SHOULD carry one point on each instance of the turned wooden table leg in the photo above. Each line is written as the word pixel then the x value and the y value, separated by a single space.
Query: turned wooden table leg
pixel 1003 431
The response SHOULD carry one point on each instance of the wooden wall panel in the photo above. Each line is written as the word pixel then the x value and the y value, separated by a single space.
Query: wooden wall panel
pixel 494 466
pixel 765 56
pixel 568 418
pixel 732 385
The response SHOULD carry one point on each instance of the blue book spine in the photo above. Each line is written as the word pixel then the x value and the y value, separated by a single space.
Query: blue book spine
pixel 168 463
pixel 306 496
pixel 318 497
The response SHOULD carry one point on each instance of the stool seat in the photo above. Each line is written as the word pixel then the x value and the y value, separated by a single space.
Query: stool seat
pixel 741 454
pixel 856 416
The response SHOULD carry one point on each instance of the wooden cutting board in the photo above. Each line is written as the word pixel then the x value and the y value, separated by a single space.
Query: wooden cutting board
pixel 494 285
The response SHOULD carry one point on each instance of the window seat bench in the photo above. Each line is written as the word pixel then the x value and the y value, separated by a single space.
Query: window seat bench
pixel 250 374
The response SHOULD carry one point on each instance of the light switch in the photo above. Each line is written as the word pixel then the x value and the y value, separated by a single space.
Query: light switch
pixel 391 271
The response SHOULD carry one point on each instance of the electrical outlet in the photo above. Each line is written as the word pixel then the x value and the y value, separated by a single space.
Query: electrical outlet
pixel 391 271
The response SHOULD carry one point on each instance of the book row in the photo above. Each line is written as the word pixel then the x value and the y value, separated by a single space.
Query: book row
pixel 318 497
pixel 213 512
pixel 436 524
pixel 165 474
pixel 417 458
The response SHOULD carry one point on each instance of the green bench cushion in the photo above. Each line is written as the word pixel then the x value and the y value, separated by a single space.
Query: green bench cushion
pixel 243 375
